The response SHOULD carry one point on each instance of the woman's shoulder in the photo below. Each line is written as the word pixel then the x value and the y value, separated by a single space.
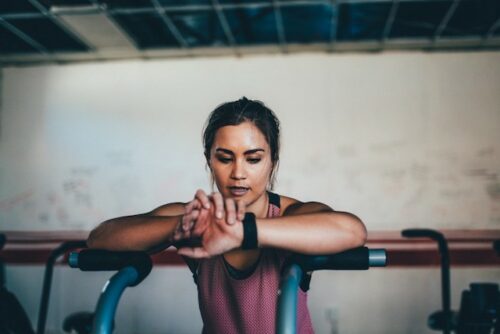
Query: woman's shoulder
pixel 287 203
pixel 170 209
pixel 291 206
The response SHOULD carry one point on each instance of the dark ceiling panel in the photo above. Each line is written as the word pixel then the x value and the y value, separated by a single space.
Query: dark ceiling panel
pixel 184 2
pixel 362 21
pixel 239 2
pixel 48 34
pixel 116 4
pixel 473 18
pixel 199 28
pixel 251 26
pixel 147 30
pixel 127 3
pixel 418 19
pixel 16 6
pixel 50 3
pixel 307 24
pixel 10 43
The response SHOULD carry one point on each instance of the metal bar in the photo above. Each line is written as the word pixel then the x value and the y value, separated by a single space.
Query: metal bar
pixel 166 8
pixel 280 28
pixel 334 24
pixel 472 43
pixel 492 29
pixel 225 26
pixel 390 20
pixel 286 322
pixel 446 19
pixel 59 23
pixel 40 48
pixel 170 25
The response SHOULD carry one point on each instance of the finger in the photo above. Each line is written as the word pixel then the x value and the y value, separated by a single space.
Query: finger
pixel 241 210
pixel 201 223
pixel 194 204
pixel 195 253
pixel 189 219
pixel 219 205
pixel 203 198
pixel 194 216
pixel 230 211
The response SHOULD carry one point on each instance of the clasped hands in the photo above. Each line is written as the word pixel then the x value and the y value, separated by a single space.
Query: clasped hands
pixel 216 221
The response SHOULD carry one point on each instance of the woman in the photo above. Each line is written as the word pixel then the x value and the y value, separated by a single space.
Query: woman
pixel 244 231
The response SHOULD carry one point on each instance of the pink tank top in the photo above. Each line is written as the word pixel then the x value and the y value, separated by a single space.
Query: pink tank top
pixel 248 305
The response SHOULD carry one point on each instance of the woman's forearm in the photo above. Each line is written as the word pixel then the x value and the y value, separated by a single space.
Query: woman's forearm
pixel 313 233
pixel 140 232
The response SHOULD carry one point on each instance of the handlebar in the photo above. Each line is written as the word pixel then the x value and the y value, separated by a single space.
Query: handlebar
pixel 360 258
pixel 104 260
pixel 133 268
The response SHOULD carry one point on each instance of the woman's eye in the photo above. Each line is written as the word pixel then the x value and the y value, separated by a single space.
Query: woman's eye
pixel 253 161
pixel 224 160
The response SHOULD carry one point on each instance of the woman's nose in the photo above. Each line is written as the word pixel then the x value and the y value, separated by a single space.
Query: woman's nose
pixel 238 171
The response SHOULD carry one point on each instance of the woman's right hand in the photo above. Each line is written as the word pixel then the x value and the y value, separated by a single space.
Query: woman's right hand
pixel 188 226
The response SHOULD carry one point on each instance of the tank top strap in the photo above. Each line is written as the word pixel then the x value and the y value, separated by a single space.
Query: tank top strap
pixel 274 199
pixel 274 209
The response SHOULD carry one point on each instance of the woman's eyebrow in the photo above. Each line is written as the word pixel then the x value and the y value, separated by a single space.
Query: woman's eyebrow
pixel 255 150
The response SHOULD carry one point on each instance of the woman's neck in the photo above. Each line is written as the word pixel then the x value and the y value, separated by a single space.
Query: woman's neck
pixel 260 206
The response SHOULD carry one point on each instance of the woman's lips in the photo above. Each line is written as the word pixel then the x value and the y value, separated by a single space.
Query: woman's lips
pixel 238 191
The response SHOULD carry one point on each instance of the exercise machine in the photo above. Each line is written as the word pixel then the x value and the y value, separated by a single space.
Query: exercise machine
pixel 133 267
pixel 479 306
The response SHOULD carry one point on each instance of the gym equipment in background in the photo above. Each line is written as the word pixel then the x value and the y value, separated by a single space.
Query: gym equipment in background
pixel 13 318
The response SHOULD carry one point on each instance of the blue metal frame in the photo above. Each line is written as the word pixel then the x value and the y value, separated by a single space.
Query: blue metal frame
pixel 286 323
pixel 109 298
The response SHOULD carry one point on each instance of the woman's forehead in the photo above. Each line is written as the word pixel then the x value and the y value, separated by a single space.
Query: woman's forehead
pixel 242 137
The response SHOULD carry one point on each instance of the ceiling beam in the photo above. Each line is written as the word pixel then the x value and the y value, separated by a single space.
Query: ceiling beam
pixel 446 19
pixel 392 45
pixel 390 21
pixel 195 8
pixel 57 21
pixel 494 27
pixel 225 26
pixel 169 24
pixel 27 39
pixel 280 27
pixel 334 23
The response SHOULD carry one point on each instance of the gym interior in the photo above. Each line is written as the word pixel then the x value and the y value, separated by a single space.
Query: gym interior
pixel 388 109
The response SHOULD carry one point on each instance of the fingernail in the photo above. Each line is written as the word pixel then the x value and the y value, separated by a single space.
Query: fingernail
pixel 218 214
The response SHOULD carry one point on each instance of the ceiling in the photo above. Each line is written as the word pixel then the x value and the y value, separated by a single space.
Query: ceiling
pixel 60 31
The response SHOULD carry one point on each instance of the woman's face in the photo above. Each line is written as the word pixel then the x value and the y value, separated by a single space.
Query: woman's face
pixel 240 160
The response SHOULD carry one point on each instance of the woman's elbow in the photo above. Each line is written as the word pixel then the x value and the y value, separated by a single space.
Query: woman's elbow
pixel 94 240
pixel 357 231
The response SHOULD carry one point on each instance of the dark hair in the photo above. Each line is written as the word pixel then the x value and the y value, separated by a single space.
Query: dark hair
pixel 245 110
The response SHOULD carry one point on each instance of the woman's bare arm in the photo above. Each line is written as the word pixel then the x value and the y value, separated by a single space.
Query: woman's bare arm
pixel 307 228
pixel 150 231
pixel 312 228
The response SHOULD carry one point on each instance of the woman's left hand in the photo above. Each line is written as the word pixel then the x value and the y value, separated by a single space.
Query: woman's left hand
pixel 219 233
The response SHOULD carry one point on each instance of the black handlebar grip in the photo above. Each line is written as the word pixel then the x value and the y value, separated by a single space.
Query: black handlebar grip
pixel 104 260
pixel 354 259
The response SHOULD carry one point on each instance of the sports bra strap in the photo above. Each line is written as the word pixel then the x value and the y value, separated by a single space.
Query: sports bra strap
pixel 274 199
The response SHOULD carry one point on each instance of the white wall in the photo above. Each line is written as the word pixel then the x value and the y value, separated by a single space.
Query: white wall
pixel 401 139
